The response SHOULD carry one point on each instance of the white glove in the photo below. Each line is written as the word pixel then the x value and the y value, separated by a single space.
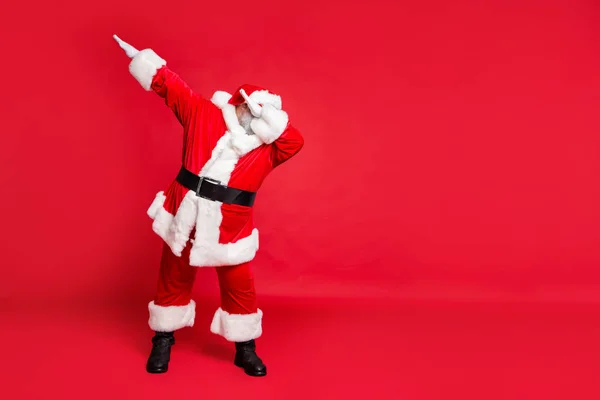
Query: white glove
pixel 129 49
pixel 254 107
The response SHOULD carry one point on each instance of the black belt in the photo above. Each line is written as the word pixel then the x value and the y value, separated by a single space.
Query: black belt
pixel 213 190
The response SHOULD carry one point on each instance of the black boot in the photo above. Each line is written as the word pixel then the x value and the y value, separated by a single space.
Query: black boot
pixel 158 362
pixel 245 357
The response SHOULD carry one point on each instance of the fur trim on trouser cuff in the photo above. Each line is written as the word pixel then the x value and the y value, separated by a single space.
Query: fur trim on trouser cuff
pixel 237 327
pixel 171 318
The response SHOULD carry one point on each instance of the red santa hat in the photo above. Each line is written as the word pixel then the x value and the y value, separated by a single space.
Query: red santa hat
pixel 260 95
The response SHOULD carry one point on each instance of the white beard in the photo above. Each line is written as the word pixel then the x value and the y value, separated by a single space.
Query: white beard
pixel 245 121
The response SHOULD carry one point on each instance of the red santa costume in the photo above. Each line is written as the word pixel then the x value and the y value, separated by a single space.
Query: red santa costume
pixel 199 232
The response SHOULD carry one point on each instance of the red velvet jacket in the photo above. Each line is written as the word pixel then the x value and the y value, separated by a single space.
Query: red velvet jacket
pixel 214 146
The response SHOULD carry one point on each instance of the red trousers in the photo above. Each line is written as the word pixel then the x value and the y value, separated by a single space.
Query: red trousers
pixel 238 318
pixel 176 280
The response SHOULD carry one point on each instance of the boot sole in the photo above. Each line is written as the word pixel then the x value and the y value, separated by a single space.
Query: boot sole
pixel 157 371
pixel 237 364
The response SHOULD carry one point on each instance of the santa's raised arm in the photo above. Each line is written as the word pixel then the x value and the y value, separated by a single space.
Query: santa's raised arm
pixel 148 68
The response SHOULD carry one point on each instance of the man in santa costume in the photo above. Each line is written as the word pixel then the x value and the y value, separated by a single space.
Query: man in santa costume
pixel 205 216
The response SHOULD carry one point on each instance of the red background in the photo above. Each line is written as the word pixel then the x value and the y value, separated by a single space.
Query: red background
pixel 452 148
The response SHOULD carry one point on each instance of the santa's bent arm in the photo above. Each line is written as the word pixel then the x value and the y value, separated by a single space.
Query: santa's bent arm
pixel 289 143
pixel 272 126
pixel 150 70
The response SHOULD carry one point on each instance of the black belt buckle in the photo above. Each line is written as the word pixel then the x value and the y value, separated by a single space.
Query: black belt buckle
pixel 201 181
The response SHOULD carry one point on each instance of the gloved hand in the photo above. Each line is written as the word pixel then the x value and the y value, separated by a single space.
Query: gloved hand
pixel 254 107
pixel 129 49
pixel 144 63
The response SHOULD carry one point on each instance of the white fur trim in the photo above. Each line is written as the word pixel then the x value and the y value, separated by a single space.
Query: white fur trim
pixel 144 66
pixel 265 97
pixel 271 124
pixel 240 141
pixel 237 327
pixel 171 318
pixel 174 230
pixel 162 219
pixel 156 205
pixel 231 120
pixel 267 128
pixel 220 98
pixel 207 251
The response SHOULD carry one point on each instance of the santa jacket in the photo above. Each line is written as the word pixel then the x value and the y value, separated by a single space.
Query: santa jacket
pixel 217 147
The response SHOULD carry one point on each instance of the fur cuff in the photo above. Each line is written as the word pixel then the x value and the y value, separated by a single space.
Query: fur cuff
pixel 220 98
pixel 144 66
pixel 265 97
pixel 237 327
pixel 271 124
pixel 174 229
pixel 171 318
